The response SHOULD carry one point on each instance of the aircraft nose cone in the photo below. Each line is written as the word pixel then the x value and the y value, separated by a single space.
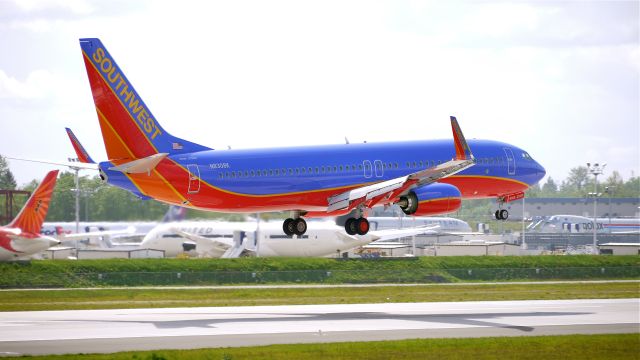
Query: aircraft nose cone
pixel 53 242
pixel 541 172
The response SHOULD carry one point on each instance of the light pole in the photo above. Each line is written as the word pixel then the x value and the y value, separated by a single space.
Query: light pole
pixel 595 169
pixel 609 190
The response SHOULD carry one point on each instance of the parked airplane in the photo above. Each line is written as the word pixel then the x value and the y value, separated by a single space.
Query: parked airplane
pixel 108 234
pixel 441 224
pixel 21 237
pixel 581 224
pixel 422 177
pixel 232 239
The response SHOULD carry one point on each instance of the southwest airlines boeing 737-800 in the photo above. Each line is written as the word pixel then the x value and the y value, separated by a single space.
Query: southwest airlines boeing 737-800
pixel 423 177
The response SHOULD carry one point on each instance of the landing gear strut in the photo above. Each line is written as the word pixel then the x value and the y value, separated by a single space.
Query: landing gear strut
pixel 501 214
pixel 294 226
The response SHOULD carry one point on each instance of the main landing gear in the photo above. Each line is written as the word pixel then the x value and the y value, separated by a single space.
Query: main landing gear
pixel 355 226
pixel 295 225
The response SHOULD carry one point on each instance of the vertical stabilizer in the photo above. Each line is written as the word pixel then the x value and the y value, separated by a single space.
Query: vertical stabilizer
pixel 34 211
pixel 129 129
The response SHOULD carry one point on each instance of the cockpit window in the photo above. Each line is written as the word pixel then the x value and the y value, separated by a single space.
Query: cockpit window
pixel 526 156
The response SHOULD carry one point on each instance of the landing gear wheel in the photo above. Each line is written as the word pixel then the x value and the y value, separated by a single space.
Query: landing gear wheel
pixel 289 227
pixel 501 214
pixel 409 203
pixel 300 226
pixel 350 226
pixel 362 226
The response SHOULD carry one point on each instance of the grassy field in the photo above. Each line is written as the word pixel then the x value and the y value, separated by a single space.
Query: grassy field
pixel 135 272
pixel 570 347
pixel 22 300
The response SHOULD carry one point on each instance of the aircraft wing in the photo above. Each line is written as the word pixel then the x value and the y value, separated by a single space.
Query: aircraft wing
pixel 387 191
pixel 95 234
pixel 393 234
pixel 205 241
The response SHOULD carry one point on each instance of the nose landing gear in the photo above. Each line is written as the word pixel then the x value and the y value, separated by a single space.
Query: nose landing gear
pixel 501 214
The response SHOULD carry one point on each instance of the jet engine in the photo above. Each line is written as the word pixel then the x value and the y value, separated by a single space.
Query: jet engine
pixel 432 199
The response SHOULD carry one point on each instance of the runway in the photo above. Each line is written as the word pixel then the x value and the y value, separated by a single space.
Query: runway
pixel 104 331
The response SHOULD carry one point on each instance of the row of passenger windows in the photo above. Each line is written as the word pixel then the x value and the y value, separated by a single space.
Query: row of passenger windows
pixel 290 171
pixel 341 168
pixel 491 161
pixel 322 169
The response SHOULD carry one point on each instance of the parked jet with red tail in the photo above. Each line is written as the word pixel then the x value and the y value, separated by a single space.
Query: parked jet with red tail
pixel 21 237
pixel 422 177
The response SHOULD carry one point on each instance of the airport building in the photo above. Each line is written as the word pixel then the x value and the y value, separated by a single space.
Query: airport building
pixel 607 207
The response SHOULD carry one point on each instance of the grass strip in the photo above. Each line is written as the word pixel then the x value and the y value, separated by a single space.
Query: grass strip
pixel 141 272
pixel 20 300
pixel 578 347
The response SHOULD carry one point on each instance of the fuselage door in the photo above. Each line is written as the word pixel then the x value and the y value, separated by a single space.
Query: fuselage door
pixel 368 169
pixel 379 168
pixel 511 161
pixel 194 179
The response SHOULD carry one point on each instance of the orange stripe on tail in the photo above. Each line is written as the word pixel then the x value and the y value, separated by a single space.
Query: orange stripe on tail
pixel 34 212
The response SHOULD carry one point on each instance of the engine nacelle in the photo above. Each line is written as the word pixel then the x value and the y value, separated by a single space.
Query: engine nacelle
pixel 432 199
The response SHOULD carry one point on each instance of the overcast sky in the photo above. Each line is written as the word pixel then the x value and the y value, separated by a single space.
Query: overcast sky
pixel 559 79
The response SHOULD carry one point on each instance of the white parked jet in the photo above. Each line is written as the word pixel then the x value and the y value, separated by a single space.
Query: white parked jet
pixel 231 239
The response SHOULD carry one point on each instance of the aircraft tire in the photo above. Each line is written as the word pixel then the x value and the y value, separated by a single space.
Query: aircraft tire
pixel 362 226
pixel 504 214
pixel 288 227
pixel 300 226
pixel 350 226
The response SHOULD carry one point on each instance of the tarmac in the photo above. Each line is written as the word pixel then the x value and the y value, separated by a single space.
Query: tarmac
pixel 107 331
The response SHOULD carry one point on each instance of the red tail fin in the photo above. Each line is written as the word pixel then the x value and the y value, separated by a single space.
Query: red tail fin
pixel 32 215
pixel 129 129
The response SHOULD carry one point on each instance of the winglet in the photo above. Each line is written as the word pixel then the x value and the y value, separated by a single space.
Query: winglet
pixel 83 155
pixel 462 148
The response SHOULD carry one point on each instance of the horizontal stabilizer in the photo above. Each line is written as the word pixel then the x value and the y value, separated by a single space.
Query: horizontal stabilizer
pixel 140 166
pixel 72 165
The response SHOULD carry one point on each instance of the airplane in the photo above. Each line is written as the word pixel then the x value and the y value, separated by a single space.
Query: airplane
pixel 581 224
pixel 441 224
pixel 233 239
pixel 428 177
pixel 108 234
pixel 21 237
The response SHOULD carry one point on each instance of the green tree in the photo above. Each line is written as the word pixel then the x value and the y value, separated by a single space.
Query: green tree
pixel 7 181
pixel 550 188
